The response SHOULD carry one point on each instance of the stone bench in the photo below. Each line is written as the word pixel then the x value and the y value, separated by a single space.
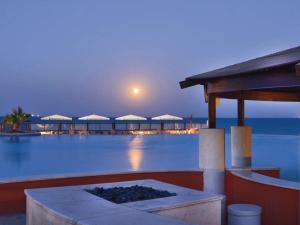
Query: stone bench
pixel 73 205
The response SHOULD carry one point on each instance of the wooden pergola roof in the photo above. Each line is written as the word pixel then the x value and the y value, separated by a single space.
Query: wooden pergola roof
pixel 274 77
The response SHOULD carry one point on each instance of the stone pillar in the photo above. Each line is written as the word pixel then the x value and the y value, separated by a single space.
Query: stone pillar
pixel 212 159
pixel 241 146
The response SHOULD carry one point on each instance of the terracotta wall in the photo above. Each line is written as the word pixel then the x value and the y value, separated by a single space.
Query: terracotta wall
pixel 268 172
pixel 12 197
pixel 280 205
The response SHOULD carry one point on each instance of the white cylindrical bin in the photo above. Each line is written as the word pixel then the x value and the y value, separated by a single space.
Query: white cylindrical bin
pixel 212 159
pixel 244 214
pixel 241 146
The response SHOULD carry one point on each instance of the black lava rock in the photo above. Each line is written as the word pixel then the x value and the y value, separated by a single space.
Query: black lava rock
pixel 129 194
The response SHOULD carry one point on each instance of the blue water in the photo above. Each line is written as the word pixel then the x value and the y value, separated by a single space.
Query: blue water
pixel 61 154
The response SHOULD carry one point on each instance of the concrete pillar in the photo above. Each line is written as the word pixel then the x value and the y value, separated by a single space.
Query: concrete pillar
pixel 241 146
pixel 212 159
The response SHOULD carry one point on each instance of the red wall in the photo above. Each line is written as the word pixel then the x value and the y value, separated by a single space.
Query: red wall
pixel 280 205
pixel 12 197
pixel 269 172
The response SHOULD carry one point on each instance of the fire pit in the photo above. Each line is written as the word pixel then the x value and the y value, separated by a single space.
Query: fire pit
pixel 143 202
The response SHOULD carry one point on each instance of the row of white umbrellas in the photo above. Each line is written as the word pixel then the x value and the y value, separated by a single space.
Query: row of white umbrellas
pixel 97 117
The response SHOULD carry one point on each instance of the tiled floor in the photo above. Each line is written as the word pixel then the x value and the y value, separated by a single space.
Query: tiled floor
pixel 17 219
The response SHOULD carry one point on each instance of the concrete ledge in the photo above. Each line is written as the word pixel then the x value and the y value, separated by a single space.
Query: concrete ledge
pixel 259 178
pixel 107 173
pixel 73 205
pixel 253 168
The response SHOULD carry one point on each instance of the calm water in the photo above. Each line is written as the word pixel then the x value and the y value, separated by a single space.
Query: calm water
pixel 58 154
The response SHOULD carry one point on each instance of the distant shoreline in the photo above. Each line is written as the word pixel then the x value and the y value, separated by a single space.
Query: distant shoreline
pixel 24 134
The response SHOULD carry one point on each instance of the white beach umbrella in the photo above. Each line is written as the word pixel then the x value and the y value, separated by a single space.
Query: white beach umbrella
pixel 56 117
pixel 131 117
pixel 93 117
pixel 167 117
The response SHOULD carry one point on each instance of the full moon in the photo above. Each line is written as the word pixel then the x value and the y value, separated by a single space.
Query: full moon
pixel 136 91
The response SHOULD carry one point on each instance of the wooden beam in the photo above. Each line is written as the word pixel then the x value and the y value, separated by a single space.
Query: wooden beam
pixel 254 82
pixel 205 93
pixel 188 83
pixel 298 69
pixel 282 96
pixel 241 112
pixel 212 111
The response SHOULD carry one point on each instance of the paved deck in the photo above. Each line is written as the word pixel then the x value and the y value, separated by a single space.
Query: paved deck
pixel 16 219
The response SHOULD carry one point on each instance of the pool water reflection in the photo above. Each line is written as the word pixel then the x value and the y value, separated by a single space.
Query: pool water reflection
pixel 135 153
pixel 70 154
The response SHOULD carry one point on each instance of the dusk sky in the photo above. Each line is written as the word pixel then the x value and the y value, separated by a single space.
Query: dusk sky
pixel 77 57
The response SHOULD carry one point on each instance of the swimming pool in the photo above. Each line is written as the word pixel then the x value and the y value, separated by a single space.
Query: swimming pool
pixel 72 154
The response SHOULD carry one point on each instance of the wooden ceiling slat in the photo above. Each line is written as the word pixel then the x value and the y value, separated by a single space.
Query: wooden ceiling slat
pixel 263 96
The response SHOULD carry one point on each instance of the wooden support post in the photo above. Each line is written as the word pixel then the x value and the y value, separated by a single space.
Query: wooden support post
pixel 241 112
pixel 298 69
pixel 211 111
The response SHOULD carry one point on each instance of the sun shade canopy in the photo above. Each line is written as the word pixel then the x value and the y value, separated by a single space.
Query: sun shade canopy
pixel 131 117
pixel 56 117
pixel 93 117
pixel 167 117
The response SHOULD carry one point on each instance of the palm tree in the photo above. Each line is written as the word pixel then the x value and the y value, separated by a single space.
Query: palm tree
pixel 16 118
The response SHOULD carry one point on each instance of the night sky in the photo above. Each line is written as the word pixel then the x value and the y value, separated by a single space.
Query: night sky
pixel 77 57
